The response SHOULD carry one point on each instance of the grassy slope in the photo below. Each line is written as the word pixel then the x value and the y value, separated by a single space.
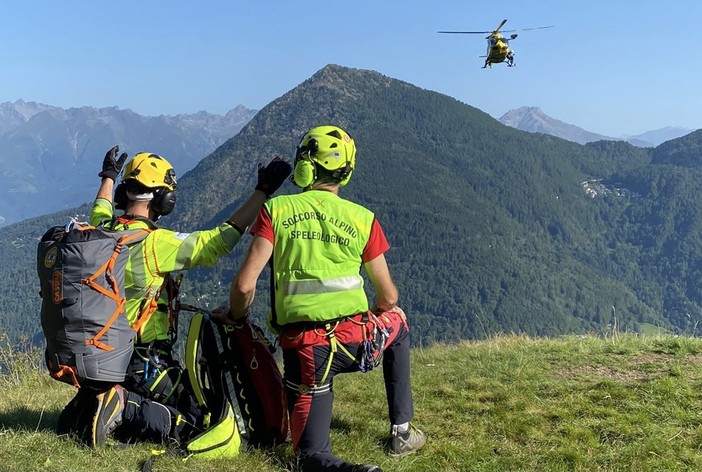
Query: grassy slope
pixel 616 403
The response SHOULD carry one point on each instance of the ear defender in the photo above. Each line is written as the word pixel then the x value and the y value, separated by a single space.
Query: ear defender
pixel 163 202
pixel 304 173
pixel 120 197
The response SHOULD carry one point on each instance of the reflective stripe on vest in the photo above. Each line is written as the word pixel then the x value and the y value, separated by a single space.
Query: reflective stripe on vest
pixel 308 287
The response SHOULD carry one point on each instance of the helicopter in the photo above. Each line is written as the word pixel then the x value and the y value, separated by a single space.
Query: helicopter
pixel 498 49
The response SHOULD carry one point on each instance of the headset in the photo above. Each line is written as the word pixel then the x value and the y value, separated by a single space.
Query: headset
pixel 121 198
pixel 305 172
pixel 162 203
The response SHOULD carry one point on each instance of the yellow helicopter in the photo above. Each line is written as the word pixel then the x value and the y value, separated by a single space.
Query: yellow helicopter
pixel 498 49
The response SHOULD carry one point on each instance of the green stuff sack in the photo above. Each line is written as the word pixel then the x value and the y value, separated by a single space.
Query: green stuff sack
pixel 218 441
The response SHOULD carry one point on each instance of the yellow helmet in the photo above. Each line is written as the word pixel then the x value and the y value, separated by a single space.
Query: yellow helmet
pixel 150 170
pixel 331 148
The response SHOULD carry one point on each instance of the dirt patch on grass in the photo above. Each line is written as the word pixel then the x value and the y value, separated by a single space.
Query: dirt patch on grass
pixel 696 359
pixel 605 372
pixel 642 367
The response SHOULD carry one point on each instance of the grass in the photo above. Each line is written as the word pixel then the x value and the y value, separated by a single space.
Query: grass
pixel 509 403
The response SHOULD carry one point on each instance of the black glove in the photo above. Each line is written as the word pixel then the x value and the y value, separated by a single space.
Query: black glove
pixel 271 177
pixel 111 167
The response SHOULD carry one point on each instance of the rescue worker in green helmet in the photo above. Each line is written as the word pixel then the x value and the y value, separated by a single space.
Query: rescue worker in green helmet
pixel 145 410
pixel 318 243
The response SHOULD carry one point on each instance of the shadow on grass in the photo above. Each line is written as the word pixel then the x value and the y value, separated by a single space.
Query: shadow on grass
pixel 341 425
pixel 23 419
pixel 26 419
pixel 383 440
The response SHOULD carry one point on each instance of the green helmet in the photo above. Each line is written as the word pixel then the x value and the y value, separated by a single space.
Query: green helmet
pixel 331 148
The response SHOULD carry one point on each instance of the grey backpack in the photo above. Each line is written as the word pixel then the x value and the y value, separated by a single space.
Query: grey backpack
pixel 81 272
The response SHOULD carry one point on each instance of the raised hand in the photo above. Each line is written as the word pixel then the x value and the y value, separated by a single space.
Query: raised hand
pixel 272 176
pixel 111 165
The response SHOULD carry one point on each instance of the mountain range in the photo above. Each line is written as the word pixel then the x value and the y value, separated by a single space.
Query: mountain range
pixel 534 120
pixel 48 154
pixel 492 229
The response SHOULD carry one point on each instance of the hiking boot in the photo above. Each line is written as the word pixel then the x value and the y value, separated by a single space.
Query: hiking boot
pixel 366 468
pixel 404 443
pixel 105 415
pixel 70 418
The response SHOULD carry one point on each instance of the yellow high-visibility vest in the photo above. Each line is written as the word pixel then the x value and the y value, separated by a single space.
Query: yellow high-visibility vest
pixel 319 240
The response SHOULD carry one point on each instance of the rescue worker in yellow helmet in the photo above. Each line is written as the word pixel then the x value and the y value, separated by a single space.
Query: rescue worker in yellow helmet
pixel 162 411
pixel 318 243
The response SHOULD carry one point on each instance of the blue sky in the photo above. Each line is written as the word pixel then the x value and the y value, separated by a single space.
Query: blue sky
pixel 612 67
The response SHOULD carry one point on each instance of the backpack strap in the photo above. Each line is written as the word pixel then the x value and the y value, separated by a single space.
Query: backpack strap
pixel 114 293
pixel 126 219
pixel 147 308
pixel 274 315
pixel 172 287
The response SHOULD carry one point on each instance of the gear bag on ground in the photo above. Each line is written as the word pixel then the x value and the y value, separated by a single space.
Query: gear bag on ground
pixel 239 359
pixel 81 271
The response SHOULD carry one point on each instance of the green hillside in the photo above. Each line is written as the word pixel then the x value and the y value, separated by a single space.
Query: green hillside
pixel 508 403
pixel 493 229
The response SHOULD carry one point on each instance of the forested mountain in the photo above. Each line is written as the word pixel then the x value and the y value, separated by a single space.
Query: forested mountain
pixel 492 229
pixel 48 153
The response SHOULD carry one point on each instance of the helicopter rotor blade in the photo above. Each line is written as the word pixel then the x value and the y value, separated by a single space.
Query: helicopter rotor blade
pixel 497 31
pixel 465 32
pixel 537 28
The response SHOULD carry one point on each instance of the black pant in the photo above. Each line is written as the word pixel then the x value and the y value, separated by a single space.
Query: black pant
pixel 158 397
pixel 142 419
pixel 311 412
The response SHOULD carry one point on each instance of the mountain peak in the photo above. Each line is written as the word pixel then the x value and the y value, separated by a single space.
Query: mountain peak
pixel 343 79
pixel 534 117
pixel 524 110
pixel 534 120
